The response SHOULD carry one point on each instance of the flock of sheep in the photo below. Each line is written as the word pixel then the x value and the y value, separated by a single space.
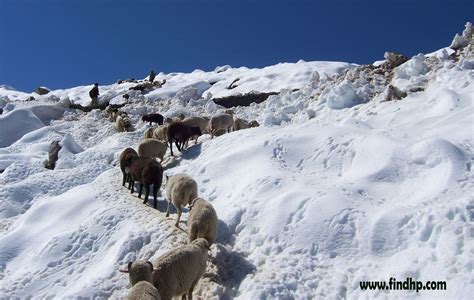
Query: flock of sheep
pixel 176 272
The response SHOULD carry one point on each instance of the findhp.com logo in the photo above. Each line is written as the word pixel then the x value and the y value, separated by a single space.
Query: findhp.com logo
pixel 407 285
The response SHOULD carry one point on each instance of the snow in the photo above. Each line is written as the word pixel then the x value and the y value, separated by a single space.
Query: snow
pixel 15 124
pixel 332 189
pixel 343 95
pixel 414 67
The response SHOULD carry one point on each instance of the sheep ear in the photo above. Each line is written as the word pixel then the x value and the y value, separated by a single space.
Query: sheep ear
pixel 151 265
pixel 123 271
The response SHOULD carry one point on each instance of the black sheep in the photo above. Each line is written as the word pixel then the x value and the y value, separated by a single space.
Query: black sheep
pixel 180 133
pixel 153 118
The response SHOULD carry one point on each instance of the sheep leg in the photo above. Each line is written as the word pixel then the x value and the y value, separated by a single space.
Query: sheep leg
pixel 124 178
pixel 132 184
pixel 156 188
pixel 147 192
pixel 196 140
pixel 171 147
pixel 178 209
pixel 168 209
pixel 177 146
pixel 193 233
pixel 140 190
pixel 190 291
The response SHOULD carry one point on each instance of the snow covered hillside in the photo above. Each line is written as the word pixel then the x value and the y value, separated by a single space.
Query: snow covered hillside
pixel 340 184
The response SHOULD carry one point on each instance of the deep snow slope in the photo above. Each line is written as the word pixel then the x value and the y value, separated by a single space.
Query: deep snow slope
pixel 336 187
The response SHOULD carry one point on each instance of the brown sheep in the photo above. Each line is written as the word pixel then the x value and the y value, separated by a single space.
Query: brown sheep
pixel 202 123
pixel 221 121
pixel 254 123
pixel 147 171
pixel 123 156
pixel 240 124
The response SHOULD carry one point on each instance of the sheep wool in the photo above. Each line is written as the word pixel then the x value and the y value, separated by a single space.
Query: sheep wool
pixel 181 189
pixel 151 148
pixel 202 221
pixel 178 271
pixel 221 121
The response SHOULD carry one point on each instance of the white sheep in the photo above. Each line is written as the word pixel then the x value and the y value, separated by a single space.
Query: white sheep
pixel 161 133
pixel 202 221
pixel 178 271
pixel 221 121
pixel 120 124
pixel 181 189
pixel 202 123
pixel 148 133
pixel 151 148
pixel 141 279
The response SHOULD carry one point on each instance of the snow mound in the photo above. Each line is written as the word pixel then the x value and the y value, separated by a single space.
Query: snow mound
pixel 68 143
pixel 17 123
pixel 47 113
pixel 344 95
pixel 414 67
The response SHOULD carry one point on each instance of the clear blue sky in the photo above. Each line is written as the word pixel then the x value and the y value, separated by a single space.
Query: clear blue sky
pixel 65 43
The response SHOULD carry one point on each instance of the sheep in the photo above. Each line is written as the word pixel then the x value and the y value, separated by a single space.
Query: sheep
pixel 181 116
pixel 178 271
pixel 146 171
pixel 175 119
pixel 153 118
pixel 141 279
pixel 148 133
pixel 221 121
pixel 181 189
pixel 123 156
pixel 161 133
pixel 220 132
pixel 240 124
pixel 110 113
pixel 122 121
pixel 197 121
pixel 202 221
pixel 254 123
pixel 152 148
pixel 120 124
pixel 180 133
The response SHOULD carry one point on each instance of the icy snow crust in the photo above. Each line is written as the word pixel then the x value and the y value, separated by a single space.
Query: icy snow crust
pixel 332 190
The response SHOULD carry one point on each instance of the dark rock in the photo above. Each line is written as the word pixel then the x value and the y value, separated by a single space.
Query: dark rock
pixel 53 154
pixel 395 59
pixel 242 100
pixel 42 90
pixel 233 85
